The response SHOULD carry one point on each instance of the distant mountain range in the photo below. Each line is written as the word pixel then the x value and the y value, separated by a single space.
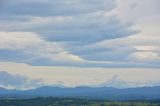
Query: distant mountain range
pixel 142 93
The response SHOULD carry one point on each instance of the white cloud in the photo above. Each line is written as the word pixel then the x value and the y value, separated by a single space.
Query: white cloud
pixel 135 10
pixel 19 40
pixel 34 46
pixel 145 57
pixel 116 83
pixel 147 48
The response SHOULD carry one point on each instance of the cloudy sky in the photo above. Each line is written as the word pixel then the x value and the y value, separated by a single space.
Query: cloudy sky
pixel 72 43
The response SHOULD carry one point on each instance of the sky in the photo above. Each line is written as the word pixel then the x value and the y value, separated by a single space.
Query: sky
pixel 69 43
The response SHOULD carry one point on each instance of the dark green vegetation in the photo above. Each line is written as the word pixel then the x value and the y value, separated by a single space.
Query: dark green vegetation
pixel 49 101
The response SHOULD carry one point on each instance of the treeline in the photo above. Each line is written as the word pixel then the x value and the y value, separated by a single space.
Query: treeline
pixel 49 101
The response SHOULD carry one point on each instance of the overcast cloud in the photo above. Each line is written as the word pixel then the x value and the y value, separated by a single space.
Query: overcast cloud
pixel 81 33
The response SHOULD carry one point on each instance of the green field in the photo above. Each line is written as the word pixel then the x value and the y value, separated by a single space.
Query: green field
pixel 71 102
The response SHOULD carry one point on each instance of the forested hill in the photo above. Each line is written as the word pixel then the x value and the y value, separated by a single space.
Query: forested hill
pixel 146 93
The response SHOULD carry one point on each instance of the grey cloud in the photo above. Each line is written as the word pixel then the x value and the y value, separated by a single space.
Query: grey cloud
pixel 89 29
pixel 100 53
pixel 60 24
pixel 83 29
pixel 55 7
pixel 14 55
pixel 18 81
pixel 74 23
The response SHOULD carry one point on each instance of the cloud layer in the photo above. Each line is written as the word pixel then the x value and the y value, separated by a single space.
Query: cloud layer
pixel 52 8
pixel 83 33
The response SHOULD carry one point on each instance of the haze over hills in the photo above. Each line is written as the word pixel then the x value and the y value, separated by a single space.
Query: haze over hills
pixel 142 93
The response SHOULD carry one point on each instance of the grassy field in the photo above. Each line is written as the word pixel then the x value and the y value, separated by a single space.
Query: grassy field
pixel 70 102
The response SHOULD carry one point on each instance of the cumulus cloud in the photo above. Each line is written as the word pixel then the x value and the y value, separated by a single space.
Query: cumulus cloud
pixel 117 82
pixel 16 81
